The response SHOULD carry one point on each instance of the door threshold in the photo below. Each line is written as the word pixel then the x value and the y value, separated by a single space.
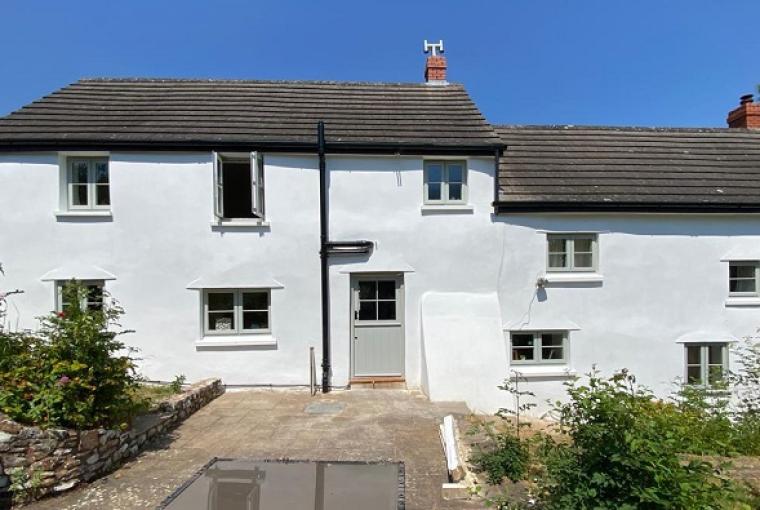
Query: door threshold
pixel 378 382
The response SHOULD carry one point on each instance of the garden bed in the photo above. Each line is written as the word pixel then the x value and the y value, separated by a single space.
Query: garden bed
pixel 744 469
pixel 36 462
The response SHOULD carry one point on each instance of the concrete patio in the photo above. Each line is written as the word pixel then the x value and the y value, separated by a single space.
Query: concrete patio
pixel 344 425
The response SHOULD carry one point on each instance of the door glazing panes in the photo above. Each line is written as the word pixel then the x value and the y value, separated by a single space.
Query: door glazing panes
pixel 377 300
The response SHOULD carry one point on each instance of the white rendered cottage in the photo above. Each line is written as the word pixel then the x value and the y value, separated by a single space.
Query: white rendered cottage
pixel 413 242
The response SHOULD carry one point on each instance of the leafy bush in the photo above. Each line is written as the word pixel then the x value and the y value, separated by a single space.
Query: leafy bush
pixel 74 373
pixel 622 454
pixel 700 419
pixel 176 384
pixel 722 420
pixel 746 383
pixel 504 455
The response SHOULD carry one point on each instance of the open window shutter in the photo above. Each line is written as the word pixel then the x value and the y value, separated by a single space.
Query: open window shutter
pixel 257 184
pixel 218 187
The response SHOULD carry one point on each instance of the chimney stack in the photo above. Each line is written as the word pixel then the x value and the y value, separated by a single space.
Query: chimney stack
pixel 435 65
pixel 747 115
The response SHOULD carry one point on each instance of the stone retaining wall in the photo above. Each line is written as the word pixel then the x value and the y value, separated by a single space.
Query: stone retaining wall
pixel 55 460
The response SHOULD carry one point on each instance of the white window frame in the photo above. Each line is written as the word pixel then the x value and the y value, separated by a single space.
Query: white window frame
pixel 237 312
pixel 537 348
pixel 745 263
pixel 703 365
pixel 257 184
pixel 445 182
pixel 59 284
pixel 91 183
pixel 569 239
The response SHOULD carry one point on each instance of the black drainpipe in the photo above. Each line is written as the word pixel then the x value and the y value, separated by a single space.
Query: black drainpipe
pixel 496 156
pixel 323 255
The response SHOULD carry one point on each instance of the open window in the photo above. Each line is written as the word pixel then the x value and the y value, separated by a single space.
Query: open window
pixel 239 186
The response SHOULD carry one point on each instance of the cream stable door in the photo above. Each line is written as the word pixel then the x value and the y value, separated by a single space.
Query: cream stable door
pixel 378 326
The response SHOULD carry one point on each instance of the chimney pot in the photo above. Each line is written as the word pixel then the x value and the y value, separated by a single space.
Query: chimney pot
pixel 746 98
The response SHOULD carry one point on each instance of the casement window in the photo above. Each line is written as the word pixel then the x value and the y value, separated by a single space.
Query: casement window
pixel 92 300
pixel 743 278
pixel 706 364
pixel 239 186
pixel 539 347
pixel 236 311
pixel 87 183
pixel 571 252
pixel 445 182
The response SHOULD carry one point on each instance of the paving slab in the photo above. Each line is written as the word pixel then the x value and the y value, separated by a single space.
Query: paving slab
pixel 366 425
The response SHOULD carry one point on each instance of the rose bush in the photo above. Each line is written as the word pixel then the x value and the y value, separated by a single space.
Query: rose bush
pixel 75 372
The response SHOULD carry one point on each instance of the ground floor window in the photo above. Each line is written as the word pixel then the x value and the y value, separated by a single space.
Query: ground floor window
pixel 706 364
pixel 236 311
pixel 92 299
pixel 539 347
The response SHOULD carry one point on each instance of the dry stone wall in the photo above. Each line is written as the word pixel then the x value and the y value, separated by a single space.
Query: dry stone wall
pixel 47 461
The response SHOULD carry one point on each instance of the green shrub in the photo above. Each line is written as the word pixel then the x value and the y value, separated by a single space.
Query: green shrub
pixel 176 384
pixel 622 454
pixel 700 420
pixel 74 373
pixel 746 385
pixel 504 456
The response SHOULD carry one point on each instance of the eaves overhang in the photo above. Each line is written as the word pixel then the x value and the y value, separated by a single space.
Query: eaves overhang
pixel 506 207
pixel 194 146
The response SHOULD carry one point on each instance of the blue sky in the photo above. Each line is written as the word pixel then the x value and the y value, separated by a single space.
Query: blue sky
pixel 642 62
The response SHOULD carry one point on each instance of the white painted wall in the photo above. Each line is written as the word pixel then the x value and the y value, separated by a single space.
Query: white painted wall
pixel 160 239
pixel 472 365
pixel 663 278
pixel 663 281
pixel 380 199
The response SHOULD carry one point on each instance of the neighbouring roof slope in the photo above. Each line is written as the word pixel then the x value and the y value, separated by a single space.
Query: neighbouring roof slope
pixel 181 112
pixel 576 168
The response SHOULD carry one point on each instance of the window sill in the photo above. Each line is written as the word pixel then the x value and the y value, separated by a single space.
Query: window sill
pixel 263 340
pixel 240 223
pixel 569 277
pixel 743 301
pixel 541 372
pixel 84 213
pixel 447 208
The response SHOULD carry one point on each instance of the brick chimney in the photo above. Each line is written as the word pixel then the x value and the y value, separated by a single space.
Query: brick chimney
pixel 435 65
pixel 747 115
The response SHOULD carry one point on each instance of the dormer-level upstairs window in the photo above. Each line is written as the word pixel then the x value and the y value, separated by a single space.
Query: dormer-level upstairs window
pixel 239 186
pixel 87 183
pixel 445 182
